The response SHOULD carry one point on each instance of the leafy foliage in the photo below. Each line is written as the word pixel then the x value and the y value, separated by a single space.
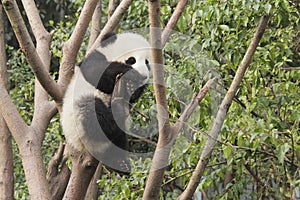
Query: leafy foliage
pixel 260 142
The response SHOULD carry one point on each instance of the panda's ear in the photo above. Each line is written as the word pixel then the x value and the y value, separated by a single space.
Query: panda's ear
pixel 93 67
pixel 108 38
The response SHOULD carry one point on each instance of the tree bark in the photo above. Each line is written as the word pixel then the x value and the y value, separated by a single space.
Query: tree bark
pixel 165 141
pixel 6 159
pixel 113 4
pixel 34 168
pixel 72 46
pixel 96 24
pixel 173 21
pixel 29 50
pixel 83 169
pixel 58 179
pixel 93 189
pixel 112 22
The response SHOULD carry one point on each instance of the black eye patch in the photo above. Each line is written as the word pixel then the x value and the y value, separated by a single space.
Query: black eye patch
pixel 147 64
pixel 130 61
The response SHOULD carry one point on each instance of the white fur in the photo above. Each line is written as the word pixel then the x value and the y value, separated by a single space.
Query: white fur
pixel 78 88
pixel 129 45
pixel 126 45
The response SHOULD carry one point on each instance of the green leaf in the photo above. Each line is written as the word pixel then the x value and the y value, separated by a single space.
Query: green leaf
pixel 227 151
pixel 282 151
pixel 224 27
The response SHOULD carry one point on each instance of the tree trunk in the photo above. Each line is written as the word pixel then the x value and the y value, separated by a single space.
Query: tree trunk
pixel 6 158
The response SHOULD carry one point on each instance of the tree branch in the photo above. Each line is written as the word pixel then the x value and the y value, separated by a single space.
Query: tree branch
pixel 6 159
pixel 167 134
pixel 83 169
pixel 217 125
pixel 93 189
pixel 29 50
pixel 43 109
pixel 173 21
pixel 58 180
pixel 96 24
pixel 112 22
pixel 113 4
pixel 11 115
pixel 191 107
pixel 165 141
pixel 72 46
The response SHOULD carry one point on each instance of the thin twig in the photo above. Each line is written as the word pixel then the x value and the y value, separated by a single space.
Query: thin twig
pixel 173 21
pixel 112 22
pixel 96 24
pixel 217 125
pixel 142 139
pixel 177 177
pixel 191 107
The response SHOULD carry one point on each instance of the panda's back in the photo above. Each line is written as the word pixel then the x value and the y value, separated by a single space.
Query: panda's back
pixel 79 105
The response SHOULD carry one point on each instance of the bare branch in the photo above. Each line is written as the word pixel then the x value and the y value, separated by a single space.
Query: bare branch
pixel 42 116
pixel 30 148
pixel 72 46
pixel 11 115
pixel 290 68
pixel 191 107
pixel 29 50
pixel 142 139
pixel 6 159
pixel 93 189
pixel 58 180
pixel 177 177
pixel 3 67
pixel 253 174
pixel 96 24
pixel 43 109
pixel 183 119
pixel 165 141
pixel 38 29
pixel 83 169
pixel 217 125
pixel 6 162
pixel 33 164
pixel 113 4
pixel 173 21
pixel 112 22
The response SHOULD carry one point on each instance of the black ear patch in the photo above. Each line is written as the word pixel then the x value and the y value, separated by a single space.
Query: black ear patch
pixel 108 38
pixel 93 67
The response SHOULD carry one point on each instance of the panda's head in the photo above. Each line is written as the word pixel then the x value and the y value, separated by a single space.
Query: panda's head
pixel 129 48
pixel 124 56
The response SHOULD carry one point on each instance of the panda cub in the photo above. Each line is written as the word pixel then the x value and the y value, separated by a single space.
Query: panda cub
pixel 92 119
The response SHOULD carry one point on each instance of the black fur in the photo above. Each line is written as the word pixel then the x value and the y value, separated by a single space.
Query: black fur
pixel 104 124
pixel 93 66
pixel 108 38
pixel 125 85
pixel 102 129
pixel 103 75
